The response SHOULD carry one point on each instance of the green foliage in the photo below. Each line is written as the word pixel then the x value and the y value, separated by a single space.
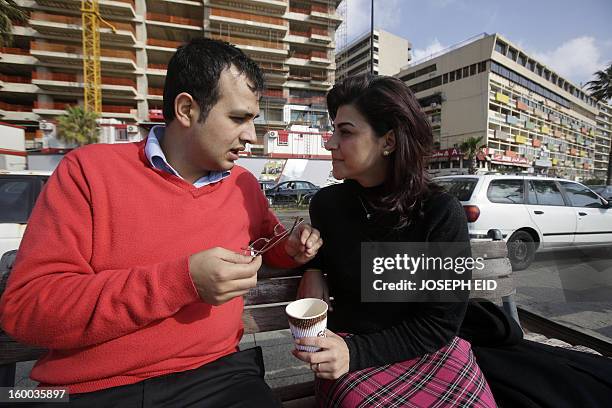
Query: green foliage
pixel 601 87
pixel 78 126
pixel 469 148
pixel 9 12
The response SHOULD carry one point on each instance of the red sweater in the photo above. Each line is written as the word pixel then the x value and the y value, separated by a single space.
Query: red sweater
pixel 102 280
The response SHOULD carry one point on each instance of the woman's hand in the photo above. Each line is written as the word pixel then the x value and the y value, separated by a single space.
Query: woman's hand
pixel 332 361
pixel 313 285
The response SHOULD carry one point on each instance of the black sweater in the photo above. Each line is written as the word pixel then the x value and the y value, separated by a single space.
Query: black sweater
pixel 384 333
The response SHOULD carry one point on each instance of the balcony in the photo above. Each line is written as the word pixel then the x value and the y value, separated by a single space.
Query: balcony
pixel 70 84
pixel 261 46
pixel 252 21
pixel 72 56
pixel 314 36
pixel 108 8
pixel 71 27
pixel 155 94
pixel 315 13
pixel 11 111
pixel 175 22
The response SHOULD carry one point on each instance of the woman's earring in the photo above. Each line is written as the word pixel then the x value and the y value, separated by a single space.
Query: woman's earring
pixel 385 152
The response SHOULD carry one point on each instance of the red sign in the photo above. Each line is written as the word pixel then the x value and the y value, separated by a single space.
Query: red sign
pixel 513 160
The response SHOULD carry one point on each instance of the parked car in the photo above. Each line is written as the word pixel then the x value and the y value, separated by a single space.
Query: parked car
pixel 533 213
pixel 18 193
pixel 291 192
pixel 266 184
pixel 604 191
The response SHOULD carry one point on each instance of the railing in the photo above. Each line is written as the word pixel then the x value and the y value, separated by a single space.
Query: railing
pixel 117 108
pixel 299 33
pixel 12 50
pixel 248 17
pixel 37 15
pixel 300 10
pixel 270 66
pixel 164 43
pixel 50 76
pixel 302 55
pixel 157 66
pixel 15 108
pixel 319 8
pixel 318 54
pixel 53 105
pixel 70 49
pixel 319 31
pixel 306 101
pixel 248 41
pixel 15 79
pixel 174 19
pixel 156 91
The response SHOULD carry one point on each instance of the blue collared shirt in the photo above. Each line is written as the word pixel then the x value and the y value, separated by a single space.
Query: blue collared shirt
pixel 157 158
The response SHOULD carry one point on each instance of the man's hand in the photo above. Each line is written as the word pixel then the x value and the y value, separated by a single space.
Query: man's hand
pixel 220 275
pixel 332 361
pixel 303 243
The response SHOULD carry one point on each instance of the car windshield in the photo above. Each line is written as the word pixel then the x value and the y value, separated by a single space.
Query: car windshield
pixel 462 188
pixel 15 200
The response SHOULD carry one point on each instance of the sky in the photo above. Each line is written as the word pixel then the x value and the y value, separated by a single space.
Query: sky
pixel 572 37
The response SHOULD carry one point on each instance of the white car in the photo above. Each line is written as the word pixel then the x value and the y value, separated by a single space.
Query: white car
pixel 18 193
pixel 533 213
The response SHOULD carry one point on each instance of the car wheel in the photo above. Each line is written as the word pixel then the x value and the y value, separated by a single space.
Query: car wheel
pixel 521 250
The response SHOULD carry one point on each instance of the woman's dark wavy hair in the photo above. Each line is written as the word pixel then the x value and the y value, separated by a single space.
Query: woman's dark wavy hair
pixel 388 104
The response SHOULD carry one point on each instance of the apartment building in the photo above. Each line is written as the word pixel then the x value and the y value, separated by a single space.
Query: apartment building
pixel 391 54
pixel 530 118
pixel 41 73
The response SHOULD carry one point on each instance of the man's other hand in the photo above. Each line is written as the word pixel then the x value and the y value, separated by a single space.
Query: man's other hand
pixel 220 275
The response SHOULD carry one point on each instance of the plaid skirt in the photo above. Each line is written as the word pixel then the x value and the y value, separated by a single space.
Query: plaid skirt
pixel 449 377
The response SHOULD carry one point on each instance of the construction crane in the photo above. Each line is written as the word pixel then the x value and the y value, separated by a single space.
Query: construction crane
pixel 90 13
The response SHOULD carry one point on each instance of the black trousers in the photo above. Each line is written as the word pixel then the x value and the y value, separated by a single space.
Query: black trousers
pixel 233 381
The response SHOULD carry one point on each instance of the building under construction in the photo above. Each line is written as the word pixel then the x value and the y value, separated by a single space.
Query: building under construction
pixel 42 72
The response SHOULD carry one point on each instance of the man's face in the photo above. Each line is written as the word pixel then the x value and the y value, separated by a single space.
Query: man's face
pixel 214 144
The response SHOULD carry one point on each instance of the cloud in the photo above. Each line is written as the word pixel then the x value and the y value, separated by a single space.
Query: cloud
pixel 386 17
pixel 432 48
pixel 576 59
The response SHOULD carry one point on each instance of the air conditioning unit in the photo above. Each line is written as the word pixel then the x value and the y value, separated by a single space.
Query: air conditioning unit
pixel 132 129
pixel 45 126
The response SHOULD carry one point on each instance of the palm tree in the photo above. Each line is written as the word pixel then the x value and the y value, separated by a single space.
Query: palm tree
pixel 78 126
pixel 469 148
pixel 601 89
pixel 9 12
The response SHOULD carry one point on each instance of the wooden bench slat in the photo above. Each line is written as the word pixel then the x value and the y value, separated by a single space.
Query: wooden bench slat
pixel 263 319
pixel 13 352
pixel 279 289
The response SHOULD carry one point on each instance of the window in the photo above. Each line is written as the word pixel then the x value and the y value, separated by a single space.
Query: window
pixel 581 196
pixel 522 60
pixel 121 134
pixel 452 76
pixel 461 188
pixel 500 47
pixel 458 74
pixel 482 66
pixel 544 192
pixel 472 69
pixel 445 78
pixel 532 65
pixel 466 72
pixel 16 199
pixel 506 191
pixel 512 54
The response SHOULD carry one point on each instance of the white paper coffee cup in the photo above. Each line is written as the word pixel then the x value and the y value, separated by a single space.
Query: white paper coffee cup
pixel 307 318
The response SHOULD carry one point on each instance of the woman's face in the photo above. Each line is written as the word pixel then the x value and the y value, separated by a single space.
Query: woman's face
pixel 357 153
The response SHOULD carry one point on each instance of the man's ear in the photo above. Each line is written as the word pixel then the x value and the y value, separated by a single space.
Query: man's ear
pixel 185 109
pixel 389 141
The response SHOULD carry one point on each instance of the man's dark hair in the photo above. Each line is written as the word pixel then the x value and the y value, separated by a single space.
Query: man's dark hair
pixel 195 68
pixel 388 104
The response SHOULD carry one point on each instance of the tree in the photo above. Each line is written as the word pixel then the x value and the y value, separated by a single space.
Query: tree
pixel 78 126
pixel 9 12
pixel 469 148
pixel 601 89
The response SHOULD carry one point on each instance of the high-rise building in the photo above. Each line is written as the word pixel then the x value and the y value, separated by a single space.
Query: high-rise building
pixel 391 53
pixel 41 73
pixel 529 117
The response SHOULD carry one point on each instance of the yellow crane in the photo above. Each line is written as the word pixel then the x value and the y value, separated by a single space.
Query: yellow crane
pixel 90 13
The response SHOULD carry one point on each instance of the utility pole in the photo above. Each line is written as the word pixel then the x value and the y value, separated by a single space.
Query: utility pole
pixel 372 37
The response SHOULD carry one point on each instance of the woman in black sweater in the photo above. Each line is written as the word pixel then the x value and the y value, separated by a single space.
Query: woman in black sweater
pixel 388 354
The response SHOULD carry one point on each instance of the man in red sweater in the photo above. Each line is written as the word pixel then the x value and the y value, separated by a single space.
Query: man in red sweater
pixel 132 268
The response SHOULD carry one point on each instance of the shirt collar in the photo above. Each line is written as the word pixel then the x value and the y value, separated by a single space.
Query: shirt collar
pixel 157 158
